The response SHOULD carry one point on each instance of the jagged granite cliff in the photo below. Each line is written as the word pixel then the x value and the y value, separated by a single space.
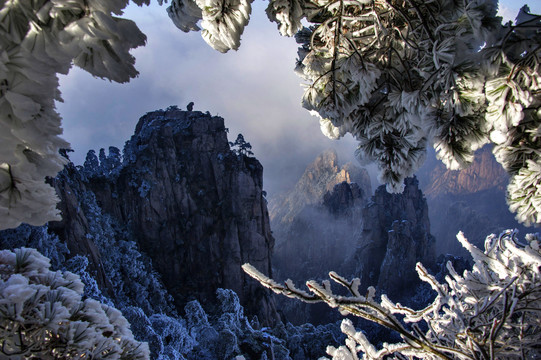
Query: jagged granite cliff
pixel 325 225
pixel 191 203
pixel 395 236
pixel 316 222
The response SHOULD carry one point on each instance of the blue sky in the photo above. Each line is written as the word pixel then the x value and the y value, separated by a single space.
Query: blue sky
pixel 254 89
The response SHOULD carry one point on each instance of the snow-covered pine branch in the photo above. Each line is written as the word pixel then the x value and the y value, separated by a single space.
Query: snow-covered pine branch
pixel 490 312
pixel 222 21
pixel 400 75
pixel 38 40
pixel 44 316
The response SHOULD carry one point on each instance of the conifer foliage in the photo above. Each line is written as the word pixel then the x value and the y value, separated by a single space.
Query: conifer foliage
pixel 38 40
pixel 43 315
pixel 241 146
pixel 490 312
pixel 403 75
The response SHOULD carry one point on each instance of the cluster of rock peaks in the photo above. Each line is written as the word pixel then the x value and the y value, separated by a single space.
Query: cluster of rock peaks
pixel 319 178
pixel 330 222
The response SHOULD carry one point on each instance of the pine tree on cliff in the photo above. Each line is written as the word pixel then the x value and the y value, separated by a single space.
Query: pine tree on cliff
pixel 241 146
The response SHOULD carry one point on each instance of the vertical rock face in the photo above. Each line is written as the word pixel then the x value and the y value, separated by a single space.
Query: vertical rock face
pixel 320 237
pixel 193 205
pixel 74 227
pixel 316 225
pixel 319 178
pixel 196 206
pixel 395 236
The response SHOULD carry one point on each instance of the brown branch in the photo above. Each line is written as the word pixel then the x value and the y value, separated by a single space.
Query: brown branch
pixel 422 19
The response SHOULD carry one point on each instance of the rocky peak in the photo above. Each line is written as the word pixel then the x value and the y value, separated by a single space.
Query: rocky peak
pixel 395 236
pixel 193 205
pixel 322 170
pixel 483 174
pixel 323 174
pixel 319 178
pixel 343 198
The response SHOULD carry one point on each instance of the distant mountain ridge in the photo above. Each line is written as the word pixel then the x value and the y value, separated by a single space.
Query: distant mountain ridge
pixel 484 174
pixel 470 200
pixel 319 178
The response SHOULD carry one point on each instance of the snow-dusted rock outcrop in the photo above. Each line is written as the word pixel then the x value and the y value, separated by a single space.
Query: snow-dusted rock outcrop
pixel 191 203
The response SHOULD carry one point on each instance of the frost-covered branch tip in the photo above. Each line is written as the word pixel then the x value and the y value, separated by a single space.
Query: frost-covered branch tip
pixel 364 307
pixel 489 312
pixel 222 21
pixel 43 315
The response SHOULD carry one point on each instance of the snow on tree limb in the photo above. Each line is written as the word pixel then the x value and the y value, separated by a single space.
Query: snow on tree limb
pixel 401 75
pixel 38 40
pixel 490 312
pixel 45 317
pixel 222 21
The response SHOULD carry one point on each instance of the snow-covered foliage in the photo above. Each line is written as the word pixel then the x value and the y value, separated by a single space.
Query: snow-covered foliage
pixel 39 238
pixel 226 333
pixel 222 21
pixel 399 76
pixel 129 283
pixel 306 342
pixel 45 317
pixel 38 40
pixel 130 272
pixel 102 166
pixel 167 336
pixel 197 335
pixel 490 312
